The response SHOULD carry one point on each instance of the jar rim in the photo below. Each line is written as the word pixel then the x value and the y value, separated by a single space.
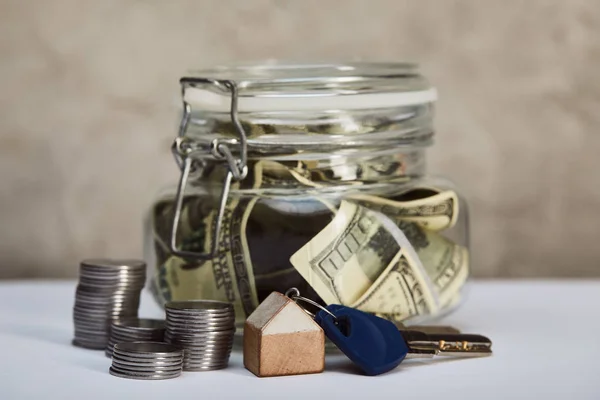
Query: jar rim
pixel 279 86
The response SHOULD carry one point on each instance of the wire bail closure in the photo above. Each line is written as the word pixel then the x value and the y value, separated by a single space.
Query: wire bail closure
pixel 182 150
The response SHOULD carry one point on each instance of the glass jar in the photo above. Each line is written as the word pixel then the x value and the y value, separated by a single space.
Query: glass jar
pixel 313 177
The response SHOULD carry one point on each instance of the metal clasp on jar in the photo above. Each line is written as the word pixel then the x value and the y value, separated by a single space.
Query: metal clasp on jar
pixel 181 148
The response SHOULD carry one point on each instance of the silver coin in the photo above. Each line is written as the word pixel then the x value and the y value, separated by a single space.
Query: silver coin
pixel 206 360
pixel 136 338
pixel 91 323
pixel 170 320
pixel 193 367
pixel 83 332
pixel 121 287
pixel 199 333
pixel 94 293
pixel 107 263
pixel 145 371
pixel 111 288
pixel 158 365
pixel 110 274
pixel 91 340
pixel 91 326
pixel 200 328
pixel 205 364
pixel 150 349
pixel 140 338
pixel 116 276
pixel 140 324
pixel 91 330
pixel 117 340
pixel 135 331
pixel 172 361
pixel 200 336
pixel 115 283
pixel 157 359
pixel 204 346
pixel 140 333
pixel 199 318
pixel 107 306
pixel 93 312
pixel 200 323
pixel 205 343
pixel 208 357
pixel 85 290
pixel 198 313
pixel 192 351
pixel 91 337
pixel 88 345
pixel 217 334
pixel 115 308
pixel 198 305
pixel 106 303
pixel 145 368
pixel 202 352
pixel 117 373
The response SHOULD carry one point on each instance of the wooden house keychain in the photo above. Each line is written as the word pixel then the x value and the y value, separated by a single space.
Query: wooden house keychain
pixel 281 339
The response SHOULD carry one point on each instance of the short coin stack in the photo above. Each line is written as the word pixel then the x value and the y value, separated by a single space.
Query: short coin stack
pixel 107 290
pixel 135 330
pixel 146 360
pixel 204 329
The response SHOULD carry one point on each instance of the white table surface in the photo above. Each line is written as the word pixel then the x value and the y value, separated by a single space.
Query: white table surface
pixel 545 333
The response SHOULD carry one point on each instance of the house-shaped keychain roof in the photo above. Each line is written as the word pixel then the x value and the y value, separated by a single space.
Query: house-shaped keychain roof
pixel 281 339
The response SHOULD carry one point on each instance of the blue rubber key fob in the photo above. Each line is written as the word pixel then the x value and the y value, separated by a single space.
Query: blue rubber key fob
pixel 372 343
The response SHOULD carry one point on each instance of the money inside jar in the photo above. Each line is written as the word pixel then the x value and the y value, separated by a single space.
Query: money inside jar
pixel 324 189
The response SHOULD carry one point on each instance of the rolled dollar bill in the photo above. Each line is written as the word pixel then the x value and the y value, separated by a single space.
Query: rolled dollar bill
pixel 446 262
pixel 355 260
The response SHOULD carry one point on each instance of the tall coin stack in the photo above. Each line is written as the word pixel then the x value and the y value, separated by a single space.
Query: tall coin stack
pixel 204 329
pixel 146 360
pixel 107 290
pixel 135 330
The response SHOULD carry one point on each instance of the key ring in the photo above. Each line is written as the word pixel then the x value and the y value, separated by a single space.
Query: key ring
pixel 294 294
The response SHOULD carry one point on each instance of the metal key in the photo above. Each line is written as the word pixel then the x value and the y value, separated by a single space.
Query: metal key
pixel 377 345
pixel 423 344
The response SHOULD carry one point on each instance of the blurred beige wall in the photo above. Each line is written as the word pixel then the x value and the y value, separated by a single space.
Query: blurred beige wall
pixel 89 102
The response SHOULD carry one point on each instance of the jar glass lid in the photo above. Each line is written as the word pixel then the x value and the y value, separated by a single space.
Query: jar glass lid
pixel 310 87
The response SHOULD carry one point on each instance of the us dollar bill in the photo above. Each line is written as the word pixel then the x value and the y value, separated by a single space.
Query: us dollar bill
pixel 446 262
pixel 435 210
pixel 228 276
pixel 357 261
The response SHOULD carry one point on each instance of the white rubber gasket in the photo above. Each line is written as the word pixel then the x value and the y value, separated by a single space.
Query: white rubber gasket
pixel 206 100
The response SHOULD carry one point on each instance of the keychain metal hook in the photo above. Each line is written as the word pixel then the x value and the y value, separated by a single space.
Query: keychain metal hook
pixel 294 294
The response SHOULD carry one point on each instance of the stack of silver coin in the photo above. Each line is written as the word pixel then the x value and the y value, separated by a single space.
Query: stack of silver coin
pixel 135 330
pixel 146 360
pixel 204 329
pixel 107 290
